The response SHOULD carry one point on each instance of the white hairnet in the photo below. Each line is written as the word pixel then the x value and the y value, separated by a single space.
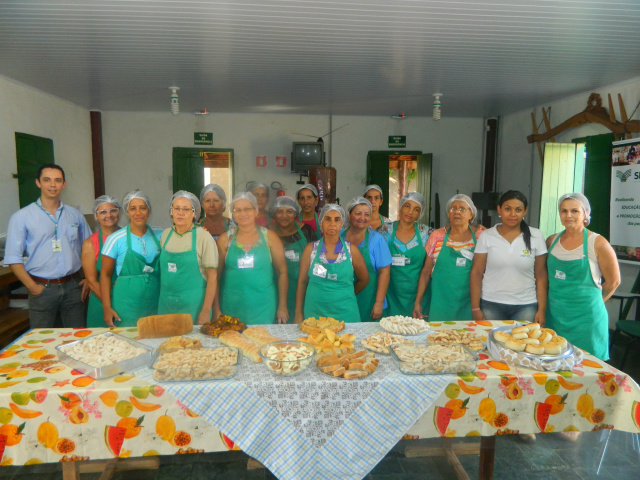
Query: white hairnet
pixel 253 185
pixel 581 199
pixel 136 194
pixel 332 206
pixel 284 202
pixel 244 196
pixel 461 197
pixel 313 189
pixel 354 202
pixel 101 200
pixel 372 187
pixel 215 188
pixel 195 203
pixel 416 197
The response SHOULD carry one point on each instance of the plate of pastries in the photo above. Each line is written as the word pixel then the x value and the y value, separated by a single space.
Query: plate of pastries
pixel 531 339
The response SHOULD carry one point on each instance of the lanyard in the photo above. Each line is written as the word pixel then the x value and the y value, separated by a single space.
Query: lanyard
pixel 53 219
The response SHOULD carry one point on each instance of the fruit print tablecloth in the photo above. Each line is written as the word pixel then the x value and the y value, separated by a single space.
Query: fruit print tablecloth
pixel 500 399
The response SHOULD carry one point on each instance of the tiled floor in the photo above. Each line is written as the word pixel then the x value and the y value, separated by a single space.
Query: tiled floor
pixel 549 457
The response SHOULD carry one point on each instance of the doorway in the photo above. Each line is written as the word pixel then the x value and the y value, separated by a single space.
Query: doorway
pixel 398 173
pixel 31 153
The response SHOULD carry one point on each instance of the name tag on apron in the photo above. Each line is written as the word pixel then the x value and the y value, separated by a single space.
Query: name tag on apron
pixel 245 262
pixel 319 271
pixel 461 262
pixel 147 269
pixel 56 245
pixel 292 255
pixel 172 267
pixel 467 254
pixel 333 276
pixel 561 275
pixel 399 261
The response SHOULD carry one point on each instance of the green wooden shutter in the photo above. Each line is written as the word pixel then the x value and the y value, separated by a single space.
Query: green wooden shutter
pixel 424 184
pixel 31 152
pixel 188 170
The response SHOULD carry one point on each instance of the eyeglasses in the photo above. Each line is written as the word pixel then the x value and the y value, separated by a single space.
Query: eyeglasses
pixel 183 210
pixel 243 210
pixel 458 209
pixel 111 211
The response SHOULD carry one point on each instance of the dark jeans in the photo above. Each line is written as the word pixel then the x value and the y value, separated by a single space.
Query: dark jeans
pixel 64 300
pixel 502 311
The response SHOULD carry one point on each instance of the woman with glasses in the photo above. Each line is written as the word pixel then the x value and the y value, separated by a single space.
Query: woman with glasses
pixel 261 192
pixel 187 263
pixel 252 271
pixel 373 193
pixel 328 268
pixel 132 255
pixel 294 236
pixel 509 272
pixel 377 258
pixel 214 201
pixel 406 239
pixel 107 213
pixel 448 264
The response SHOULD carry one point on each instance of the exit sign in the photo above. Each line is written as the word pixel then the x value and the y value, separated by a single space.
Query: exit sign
pixel 398 142
pixel 203 138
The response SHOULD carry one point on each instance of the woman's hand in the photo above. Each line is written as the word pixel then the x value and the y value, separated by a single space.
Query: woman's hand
pixel 204 317
pixel 282 315
pixel 477 315
pixel 376 311
pixel 539 317
pixel 110 316
pixel 417 311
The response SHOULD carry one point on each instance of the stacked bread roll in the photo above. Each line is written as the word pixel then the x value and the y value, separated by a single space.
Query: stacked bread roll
pixel 532 339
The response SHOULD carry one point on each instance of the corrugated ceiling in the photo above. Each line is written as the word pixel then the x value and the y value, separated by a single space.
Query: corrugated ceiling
pixel 369 57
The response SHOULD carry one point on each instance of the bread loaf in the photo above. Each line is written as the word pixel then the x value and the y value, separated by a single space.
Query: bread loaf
pixel 249 348
pixel 260 335
pixel 170 325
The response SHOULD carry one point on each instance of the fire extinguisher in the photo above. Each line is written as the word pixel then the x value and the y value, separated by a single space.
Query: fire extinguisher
pixel 279 188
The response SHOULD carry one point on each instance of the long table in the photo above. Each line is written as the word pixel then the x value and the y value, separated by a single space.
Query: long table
pixel 291 424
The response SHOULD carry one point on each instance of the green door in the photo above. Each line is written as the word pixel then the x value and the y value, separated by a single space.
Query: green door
pixel 31 153
pixel 424 185
pixel 188 170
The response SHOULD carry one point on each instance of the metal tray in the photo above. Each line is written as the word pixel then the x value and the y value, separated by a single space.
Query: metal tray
pixel 419 367
pixel 568 351
pixel 107 371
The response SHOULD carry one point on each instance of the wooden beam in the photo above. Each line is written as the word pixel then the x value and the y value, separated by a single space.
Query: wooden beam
pixel 97 153
pixel 535 131
pixel 547 124
pixel 623 115
pixel 612 113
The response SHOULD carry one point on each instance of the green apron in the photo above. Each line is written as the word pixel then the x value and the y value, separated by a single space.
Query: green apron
pixel 450 294
pixel 317 232
pixel 330 290
pixel 95 316
pixel 135 293
pixel 248 289
pixel 405 272
pixel 292 254
pixel 182 287
pixel 575 308
pixel 367 296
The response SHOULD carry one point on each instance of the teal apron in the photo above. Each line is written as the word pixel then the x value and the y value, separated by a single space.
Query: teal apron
pixel 135 293
pixel 330 290
pixel 248 290
pixel 182 287
pixel 575 309
pixel 450 295
pixel 292 254
pixel 317 232
pixel 405 272
pixel 95 316
pixel 367 296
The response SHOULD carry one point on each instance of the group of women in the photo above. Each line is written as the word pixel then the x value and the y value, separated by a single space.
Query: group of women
pixel 285 262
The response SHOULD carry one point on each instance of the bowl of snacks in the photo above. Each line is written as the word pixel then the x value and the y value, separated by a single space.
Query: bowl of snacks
pixel 288 357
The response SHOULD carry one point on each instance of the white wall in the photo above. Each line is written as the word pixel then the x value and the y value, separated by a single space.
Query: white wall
pixel 138 149
pixel 519 165
pixel 27 110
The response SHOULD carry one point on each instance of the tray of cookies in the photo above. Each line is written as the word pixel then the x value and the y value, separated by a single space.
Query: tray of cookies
pixel 195 364
pixel 433 358
pixel 347 363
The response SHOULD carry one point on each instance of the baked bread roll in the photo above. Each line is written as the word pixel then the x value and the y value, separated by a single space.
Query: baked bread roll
pixel 535 333
pixel 515 344
pixel 170 325
pixel 560 341
pixel 260 335
pixel 501 336
pixel 533 326
pixel 551 348
pixel 545 337
pixel 249 348
pixel 520 335
pixel 522 329
pixel 535 349
pixel 531 341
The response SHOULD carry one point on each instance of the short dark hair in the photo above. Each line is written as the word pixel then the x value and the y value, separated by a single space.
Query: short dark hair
pixel 50 165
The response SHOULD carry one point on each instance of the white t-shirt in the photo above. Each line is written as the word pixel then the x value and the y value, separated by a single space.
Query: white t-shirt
pixel 562 254
pixel 509 275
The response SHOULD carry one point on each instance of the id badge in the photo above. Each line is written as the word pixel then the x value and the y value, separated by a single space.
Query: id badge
pixel 245 262
pixel 466 254
pixel 292 255
pixel 56 245
pixel 398 261
pixel 461 262
pixel 172 267
pixel 333 276
pixel 561 275
pixel 147 269
pixel 319 271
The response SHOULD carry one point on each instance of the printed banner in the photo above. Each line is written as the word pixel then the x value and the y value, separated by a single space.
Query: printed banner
pixel 625 199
